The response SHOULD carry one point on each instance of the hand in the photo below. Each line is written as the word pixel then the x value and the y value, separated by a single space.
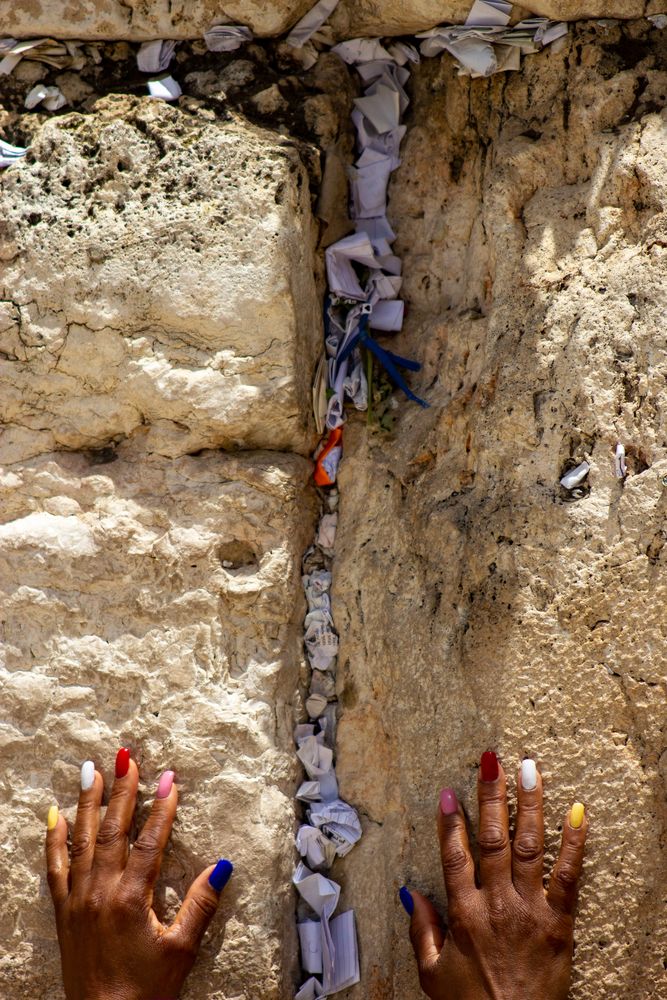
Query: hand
pixel 509 938
pixel 112 945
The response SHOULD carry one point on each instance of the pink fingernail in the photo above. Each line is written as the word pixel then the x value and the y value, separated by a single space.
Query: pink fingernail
pixel 448 802
pixel 164 785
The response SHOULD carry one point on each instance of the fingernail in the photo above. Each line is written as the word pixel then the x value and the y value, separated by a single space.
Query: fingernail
pixel 448 802
pixel 577 815
pixel 87 775
pixel 528 775
pixel 406 899
pixel 52 818
pixel 164 785
pixel 489 766
pixel 122 762
pixel 221 874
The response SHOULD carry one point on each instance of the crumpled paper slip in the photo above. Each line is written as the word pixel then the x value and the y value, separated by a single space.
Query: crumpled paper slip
pixel 154 57
pixel 318 764
pixel 369 179
pixel 165 88
pixel 317 586
pixel 489 12
pixel 227 37
pixel 343 971
pixel 388 143
pixel 572 478
pixel 10 154
pixel 327 458
pixel 339 821
pixel 620 467
pixel 310 940
pixel 311 22
pixel 310 990
pixel 321 641
pixel 326 534
pixel 403 52
pixel 342 278
pixel 315 706
pixel 309 791
pixel 483 49
pixel 51 97
pixel 360 50
pixel 322 895
pixel 355 386
pixel 53 53
pixel 316 849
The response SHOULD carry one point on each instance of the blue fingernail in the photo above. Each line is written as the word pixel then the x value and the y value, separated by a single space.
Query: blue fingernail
pixel 221 875
pixel 407 900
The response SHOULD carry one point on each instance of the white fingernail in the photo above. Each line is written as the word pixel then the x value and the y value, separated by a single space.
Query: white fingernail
pixel 87 775
pixel 528 775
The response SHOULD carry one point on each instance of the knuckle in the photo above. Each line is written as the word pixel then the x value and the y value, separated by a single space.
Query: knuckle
pixel 528 846
pixel 81 844
pixel 492 839
pixel 148 847
pixel 110 834
pixel 566 876
pixel 454 859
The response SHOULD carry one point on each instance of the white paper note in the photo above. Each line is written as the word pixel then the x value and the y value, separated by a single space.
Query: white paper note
pixel 311 22
pixel 165 88
pixel 310 939
pixel 154 57
pixel 226 37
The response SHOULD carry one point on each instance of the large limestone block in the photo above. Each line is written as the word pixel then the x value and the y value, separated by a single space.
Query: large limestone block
pixel 477 607
pixel 151 602
pixel 156 280
pixel 135 21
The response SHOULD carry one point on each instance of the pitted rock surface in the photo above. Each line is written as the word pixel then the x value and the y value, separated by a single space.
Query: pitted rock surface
pixel 477 607
pixel 157 280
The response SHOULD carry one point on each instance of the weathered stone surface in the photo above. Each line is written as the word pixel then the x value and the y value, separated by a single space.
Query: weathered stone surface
pixel 134 21
pixel 477 608
pixel 151 602
pixel 157 280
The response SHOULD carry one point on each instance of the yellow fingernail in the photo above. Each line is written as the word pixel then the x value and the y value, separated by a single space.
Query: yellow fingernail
pixel 52 818
pixel 576 815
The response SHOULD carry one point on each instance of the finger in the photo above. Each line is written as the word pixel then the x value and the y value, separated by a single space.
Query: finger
pixel 562 891
pixel 57 865
pixel 495 856
pixel 112 845
pixel 86 823
pixel 426 931
pixel 528 846
pixel 458 866
pixel 199 907
pixel 143 864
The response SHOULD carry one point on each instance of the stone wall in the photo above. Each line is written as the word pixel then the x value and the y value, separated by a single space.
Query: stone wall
pixel 136 21
pixel 159 325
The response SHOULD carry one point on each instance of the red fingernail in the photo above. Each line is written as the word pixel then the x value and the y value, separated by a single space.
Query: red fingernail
pixel 122 762
pixel 164 785
pixel 448 802
pixel 489 766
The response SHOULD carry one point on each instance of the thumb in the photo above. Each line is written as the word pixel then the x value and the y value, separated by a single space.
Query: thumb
pixel 426 932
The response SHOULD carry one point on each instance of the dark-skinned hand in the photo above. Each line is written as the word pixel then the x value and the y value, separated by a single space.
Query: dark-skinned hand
pixel 508 938
pixel 112 945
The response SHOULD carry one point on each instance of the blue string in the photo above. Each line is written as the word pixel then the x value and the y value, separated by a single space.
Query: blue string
pixel 390 362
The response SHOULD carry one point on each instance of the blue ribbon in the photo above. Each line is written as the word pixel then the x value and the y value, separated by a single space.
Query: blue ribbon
pixel 390 362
